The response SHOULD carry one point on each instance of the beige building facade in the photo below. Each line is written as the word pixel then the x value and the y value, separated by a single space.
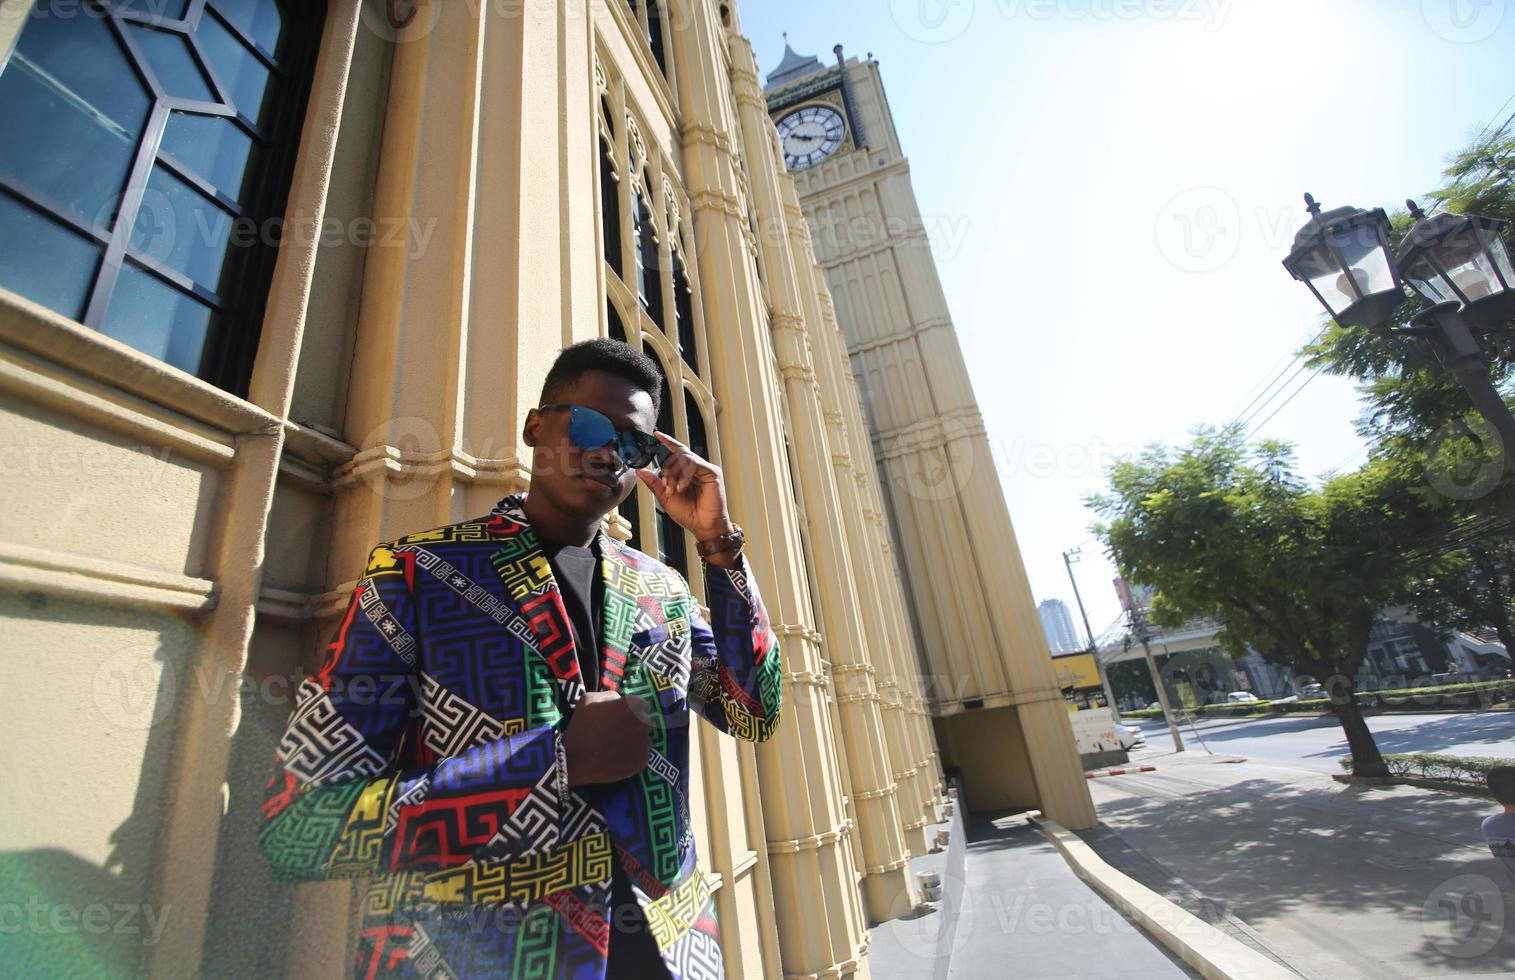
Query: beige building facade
pixel 280 281
pixel 991 690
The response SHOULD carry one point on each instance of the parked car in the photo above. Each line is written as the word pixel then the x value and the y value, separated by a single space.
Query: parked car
pixel 1241 697
pixel 1312 691
pixel 1130 736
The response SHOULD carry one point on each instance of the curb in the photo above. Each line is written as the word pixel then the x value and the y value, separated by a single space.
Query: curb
pixel 1446 786
pixel 1119 772
pixel 1215 955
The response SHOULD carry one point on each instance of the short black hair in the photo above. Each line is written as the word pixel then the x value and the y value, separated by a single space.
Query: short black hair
pixel 611 356
pixel 1502 784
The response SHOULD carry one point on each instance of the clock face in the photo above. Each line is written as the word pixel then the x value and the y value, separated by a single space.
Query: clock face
pixel 810 135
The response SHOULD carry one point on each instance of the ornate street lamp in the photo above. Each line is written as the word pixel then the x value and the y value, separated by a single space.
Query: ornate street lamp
pixel 1459 264
pixel 1463 259
pixel 1343 256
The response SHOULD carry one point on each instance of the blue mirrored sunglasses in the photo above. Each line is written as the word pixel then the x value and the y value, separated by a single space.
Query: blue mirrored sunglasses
pixel 591 430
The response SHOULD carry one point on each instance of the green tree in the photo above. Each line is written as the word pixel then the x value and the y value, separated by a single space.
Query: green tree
pixel 1233 532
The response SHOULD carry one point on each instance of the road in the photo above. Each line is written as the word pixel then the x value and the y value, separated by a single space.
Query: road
pixel 1339 881
pixel 1316 744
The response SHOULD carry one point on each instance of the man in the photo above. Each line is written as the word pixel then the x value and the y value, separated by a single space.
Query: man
pixel 1499 828
pixel 499 735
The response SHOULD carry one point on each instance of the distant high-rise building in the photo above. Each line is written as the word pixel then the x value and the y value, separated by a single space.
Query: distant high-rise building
pixel 1057 623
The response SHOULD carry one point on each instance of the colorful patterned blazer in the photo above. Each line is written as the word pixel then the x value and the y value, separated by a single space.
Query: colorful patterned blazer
pixel 426 754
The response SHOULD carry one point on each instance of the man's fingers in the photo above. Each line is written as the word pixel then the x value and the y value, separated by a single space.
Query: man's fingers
pixel 668 440
pixel 639 707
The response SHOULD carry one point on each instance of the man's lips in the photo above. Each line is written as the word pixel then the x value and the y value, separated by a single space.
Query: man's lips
pixel 602 483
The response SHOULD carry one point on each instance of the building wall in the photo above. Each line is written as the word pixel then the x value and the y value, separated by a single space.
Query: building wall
pixel 176 554
pixel 979 633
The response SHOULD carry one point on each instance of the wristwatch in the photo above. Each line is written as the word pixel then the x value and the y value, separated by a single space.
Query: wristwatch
pixel 732 540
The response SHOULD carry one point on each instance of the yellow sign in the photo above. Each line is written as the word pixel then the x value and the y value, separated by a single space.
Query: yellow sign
pixel 1077 670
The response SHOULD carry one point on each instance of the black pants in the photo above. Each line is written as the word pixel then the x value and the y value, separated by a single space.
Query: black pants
pixel 633 952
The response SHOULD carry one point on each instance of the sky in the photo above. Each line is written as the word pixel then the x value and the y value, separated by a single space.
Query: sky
pixel 1109 188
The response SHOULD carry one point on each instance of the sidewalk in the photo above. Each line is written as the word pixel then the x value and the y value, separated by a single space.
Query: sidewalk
pixel 1012 907
pixel 1335 881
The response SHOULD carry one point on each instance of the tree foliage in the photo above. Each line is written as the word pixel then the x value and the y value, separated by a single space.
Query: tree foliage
pixel 1234 532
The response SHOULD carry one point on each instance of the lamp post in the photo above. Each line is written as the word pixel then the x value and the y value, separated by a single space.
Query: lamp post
pixel 1458 264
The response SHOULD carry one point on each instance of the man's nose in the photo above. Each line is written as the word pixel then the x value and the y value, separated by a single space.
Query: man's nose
pixel 604 458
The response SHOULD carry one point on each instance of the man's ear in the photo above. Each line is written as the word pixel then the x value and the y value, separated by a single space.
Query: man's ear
pixel 532 428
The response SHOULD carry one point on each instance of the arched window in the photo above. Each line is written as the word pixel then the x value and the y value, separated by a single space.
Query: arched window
pixel 671 550
pixel 628 510
pixel 649 281
pixel 610 206
pixel 683 310
pixel 655 35
pixel 610 190
pixel 698 440
pixel 144 166
pixel 614 326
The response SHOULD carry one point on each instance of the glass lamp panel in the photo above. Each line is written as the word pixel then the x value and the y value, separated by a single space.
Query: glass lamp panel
pixel 1497 247
pixel 1318 267
pixel 1426 281
pixel 1467 264
pixel 1366 255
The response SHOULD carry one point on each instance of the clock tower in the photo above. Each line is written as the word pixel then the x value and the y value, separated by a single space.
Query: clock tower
pixel 991 689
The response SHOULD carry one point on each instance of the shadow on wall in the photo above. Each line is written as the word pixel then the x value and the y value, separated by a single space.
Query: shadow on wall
pixel 986 749
pixel 89 734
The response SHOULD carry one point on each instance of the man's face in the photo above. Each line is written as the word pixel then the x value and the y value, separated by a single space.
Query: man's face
pixel 581 481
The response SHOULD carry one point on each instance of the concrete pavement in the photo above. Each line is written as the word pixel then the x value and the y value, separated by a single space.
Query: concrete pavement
pixel 1013 908
pixel 1337 881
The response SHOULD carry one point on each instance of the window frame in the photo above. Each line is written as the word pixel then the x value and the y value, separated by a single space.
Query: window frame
pixel 226 361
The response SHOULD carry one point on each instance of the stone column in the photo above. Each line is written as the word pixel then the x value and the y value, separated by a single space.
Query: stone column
pixel 821 926
pixel 876 594
pixel 912 748
pixel 839 563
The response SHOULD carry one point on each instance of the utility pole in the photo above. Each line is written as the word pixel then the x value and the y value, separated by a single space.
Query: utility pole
pixel 1069 557
pixel 1143 633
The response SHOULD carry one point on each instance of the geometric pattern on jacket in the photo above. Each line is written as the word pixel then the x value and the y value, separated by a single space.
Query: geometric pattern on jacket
pixel 424 755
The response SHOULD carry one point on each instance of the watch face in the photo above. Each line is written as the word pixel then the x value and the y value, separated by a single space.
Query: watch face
pixel 810 135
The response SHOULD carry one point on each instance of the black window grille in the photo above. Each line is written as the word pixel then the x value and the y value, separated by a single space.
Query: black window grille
pixel 683 312
pixel 144 167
